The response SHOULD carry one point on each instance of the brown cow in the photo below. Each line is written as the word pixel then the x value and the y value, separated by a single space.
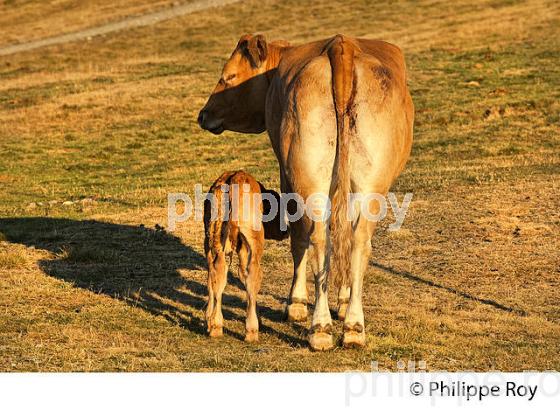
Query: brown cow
pixel 242 230
pixel 339 116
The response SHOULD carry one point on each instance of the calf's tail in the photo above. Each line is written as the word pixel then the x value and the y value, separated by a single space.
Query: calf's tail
pixel 217 228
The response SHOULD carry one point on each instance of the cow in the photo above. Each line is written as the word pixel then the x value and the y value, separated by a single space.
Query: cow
pixel 233 221
pixel 340 121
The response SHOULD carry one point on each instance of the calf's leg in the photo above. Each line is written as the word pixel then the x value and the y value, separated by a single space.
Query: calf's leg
pixel 253 249
pixel 217 278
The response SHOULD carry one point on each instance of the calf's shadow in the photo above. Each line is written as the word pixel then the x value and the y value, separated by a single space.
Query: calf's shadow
pixel 138 265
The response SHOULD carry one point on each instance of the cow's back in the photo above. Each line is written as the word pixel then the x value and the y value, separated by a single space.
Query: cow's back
pixel 294 59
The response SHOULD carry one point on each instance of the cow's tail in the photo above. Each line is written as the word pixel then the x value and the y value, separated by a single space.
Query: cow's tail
pixel 341 56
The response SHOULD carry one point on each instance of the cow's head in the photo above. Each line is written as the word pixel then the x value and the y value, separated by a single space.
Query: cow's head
pixel 238 101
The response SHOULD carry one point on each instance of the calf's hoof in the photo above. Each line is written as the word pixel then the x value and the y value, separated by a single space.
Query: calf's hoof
pixel 354 336
pixel 252 336
pixel 297 312
pixel 320 338
pixel 215 331
pixel 342 307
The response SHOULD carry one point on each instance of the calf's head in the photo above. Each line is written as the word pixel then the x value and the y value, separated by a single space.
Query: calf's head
pixel 238 101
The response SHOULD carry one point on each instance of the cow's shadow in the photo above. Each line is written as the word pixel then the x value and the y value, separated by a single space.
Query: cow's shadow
pixel 138 265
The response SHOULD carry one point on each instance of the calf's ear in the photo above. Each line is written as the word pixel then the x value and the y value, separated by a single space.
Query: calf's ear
pixel 255 49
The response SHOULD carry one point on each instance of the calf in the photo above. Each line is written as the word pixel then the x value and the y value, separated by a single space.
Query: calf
pixel 233 221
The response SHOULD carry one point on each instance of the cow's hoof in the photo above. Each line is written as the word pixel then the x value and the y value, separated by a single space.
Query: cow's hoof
pixel 342 307
pixel 216 331
pixel 297 312
pixel 320 338
pixel 354 336
pixel 320 342
pixel 252 336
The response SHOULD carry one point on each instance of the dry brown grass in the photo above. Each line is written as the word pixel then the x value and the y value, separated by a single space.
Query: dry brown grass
pixel 25 20
pixel 12 257
pixel 470 282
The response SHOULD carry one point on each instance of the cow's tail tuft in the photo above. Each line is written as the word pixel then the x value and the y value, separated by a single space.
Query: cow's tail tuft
pixel 341 56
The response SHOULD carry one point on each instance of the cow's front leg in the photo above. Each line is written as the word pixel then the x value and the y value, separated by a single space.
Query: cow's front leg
pixel 297 300
pixel 320 334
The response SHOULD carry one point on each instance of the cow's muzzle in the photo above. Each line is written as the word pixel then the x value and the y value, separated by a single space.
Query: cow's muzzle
pixel 206 122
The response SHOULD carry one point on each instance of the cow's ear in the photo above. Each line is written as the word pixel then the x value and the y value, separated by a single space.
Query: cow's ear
pixel 256 49
pixel 243 41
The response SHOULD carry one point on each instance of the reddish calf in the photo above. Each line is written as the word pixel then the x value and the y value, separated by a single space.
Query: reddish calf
pixel 233 221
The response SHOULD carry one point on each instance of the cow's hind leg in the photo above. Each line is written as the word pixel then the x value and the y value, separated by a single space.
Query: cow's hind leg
pixel 320 334
pixel 297 300
pixel 343 299
pixel 354 331
pixel 217 278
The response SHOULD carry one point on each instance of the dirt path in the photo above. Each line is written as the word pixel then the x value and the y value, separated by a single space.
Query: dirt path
pixel 130 22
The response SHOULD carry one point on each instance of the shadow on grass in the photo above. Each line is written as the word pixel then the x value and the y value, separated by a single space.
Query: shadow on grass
pixel 461 293
pixel 134 264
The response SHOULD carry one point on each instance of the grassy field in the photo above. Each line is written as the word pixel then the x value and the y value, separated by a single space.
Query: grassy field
pixel 25 20
pixel 93 135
